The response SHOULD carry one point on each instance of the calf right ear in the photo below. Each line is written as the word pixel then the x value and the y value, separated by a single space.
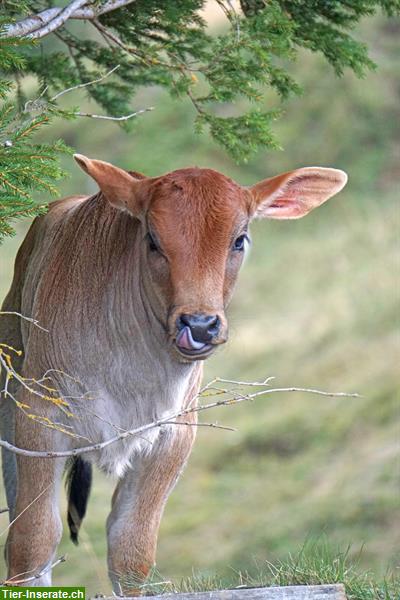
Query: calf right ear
pixel 120 188
pixel 293 194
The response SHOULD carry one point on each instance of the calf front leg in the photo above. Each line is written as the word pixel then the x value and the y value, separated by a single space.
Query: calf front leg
pixel 138 504
pixel 36 529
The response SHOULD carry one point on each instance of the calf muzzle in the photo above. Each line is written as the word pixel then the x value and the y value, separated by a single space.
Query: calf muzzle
pixel 197 333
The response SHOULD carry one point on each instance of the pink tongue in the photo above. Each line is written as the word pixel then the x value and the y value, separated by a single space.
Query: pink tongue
pixel 186 341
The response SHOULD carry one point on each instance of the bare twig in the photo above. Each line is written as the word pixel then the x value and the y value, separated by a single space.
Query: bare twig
pixel 190 424
pixel 42 105
pixel 40 388
pixel 108 118
pixel 41 20
pixel 242 383
pixel 25 509
pixel 14 581
pixel 233 388
pixel 37 103
pixel 28 384
pixel 171 420
pixel 17 314
pixel 4 510
pixel 82 85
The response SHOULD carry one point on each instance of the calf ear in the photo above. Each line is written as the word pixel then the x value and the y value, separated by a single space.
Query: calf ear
pixel 120 188
pixel 294 194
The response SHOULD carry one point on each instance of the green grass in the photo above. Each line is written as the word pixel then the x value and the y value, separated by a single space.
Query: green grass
pixel 316 563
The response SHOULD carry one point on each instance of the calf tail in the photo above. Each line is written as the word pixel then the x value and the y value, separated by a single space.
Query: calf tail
pixel 78 484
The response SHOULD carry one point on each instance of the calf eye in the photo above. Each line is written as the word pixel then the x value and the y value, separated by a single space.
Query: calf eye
pixel 240 243
pixel 152 243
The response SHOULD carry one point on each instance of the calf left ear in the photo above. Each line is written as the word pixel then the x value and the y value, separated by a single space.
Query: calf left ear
pixel 294 194
pixel 120 188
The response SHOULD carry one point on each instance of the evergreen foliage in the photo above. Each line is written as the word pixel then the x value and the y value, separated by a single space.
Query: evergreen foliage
pixel 225 76
pixel 25 167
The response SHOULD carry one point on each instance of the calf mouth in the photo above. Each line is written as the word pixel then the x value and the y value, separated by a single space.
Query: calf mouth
pixel 200 354
pixel 191 348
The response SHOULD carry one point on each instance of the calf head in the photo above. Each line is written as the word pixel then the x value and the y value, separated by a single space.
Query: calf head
pixel 194 235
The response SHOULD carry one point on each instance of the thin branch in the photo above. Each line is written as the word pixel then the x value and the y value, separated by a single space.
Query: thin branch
pixel 82 85
pixel 171 419
pixel 212 425
pixel 32 104
pixel 209 389
pixel 108 118
pixel 39 104
pixel 17 314
pixel 25 509
pixel 40 388
pixel 195 102
pixel 4 510
pixel 13 581
pixel 110 35
pixel 245 383
pixel 27 384
pixel 306 390
pixel 41 20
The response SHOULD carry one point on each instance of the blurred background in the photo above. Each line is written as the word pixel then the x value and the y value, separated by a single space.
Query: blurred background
pixel 316 306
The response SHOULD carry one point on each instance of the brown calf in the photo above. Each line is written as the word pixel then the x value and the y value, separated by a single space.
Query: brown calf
pixel 132 285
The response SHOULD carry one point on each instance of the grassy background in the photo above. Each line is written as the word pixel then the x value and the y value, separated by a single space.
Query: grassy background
pixel 315 306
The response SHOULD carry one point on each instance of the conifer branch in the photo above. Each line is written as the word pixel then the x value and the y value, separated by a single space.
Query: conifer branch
pixel 58 21
pixel 162 44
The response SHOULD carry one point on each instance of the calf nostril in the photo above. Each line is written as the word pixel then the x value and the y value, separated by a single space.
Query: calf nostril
pixel 184 320
pixel 214 325
pixel 203 327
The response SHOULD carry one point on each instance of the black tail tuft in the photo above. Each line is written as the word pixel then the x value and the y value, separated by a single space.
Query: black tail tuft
pixel 78 484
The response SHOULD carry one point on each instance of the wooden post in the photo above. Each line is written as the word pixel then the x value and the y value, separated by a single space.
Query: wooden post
pixel 293 592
